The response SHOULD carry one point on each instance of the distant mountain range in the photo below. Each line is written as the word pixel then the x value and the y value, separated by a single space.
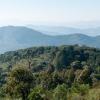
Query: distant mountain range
pixel 59 30
pixel 12 38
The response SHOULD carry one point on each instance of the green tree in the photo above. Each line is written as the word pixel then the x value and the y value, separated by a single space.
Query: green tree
pixel 38 93
pixel 60 60
pixel 81 89
pixel 85 76
pixel 19 82
pixel 76 65
pixel 60 92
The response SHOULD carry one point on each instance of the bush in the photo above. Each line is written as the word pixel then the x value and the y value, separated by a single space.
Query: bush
pixel 81 89
pixel 60 92
pixel 38 93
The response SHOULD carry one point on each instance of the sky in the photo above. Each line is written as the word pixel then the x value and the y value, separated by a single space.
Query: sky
pixel 51 12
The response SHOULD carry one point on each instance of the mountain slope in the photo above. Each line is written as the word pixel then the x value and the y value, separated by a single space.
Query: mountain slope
pixel 12 38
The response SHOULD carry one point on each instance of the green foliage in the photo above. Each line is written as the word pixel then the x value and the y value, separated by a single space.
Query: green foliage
pixel 38 93
pixel 60 60
pixel 2 92
pixel 61 57
pixel 76 65
pixel 19 82
pixel 97 76
pixel 82 89
pixel 94 94
pixel 50 73
pixel 60 92
pixel 85 76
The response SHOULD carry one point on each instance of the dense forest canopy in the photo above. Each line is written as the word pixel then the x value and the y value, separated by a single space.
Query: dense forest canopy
pixel 62 55
pixel 50 73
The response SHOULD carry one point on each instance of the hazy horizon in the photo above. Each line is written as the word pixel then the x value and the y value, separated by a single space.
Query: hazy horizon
pixel 76 13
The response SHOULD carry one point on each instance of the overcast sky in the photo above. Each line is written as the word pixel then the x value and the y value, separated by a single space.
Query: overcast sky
pixel 62 12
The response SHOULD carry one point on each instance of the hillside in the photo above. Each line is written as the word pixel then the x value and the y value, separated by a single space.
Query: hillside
pixel 51 72
pixel 45 55
pixel 13 38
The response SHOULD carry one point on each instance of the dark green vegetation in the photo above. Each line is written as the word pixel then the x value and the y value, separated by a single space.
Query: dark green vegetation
pixel 51 73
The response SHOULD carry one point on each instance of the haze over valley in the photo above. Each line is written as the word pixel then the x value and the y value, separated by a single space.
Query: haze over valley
pixel 17 37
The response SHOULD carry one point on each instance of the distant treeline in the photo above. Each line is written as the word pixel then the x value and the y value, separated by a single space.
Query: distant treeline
pixel 60 57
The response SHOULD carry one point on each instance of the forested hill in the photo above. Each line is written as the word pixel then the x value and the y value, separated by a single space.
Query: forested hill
pixel 58 56
pixel 52 72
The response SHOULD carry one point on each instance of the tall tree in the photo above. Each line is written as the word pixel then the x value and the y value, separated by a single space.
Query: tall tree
pixel 19 82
